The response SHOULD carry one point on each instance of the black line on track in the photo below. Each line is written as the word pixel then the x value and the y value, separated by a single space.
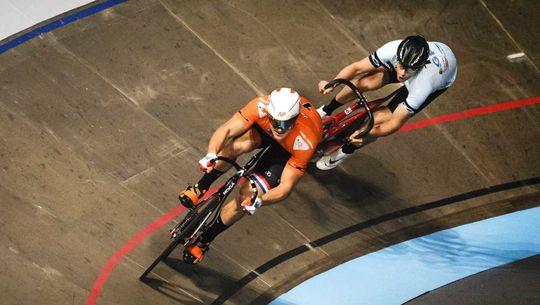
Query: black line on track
pixel 231 291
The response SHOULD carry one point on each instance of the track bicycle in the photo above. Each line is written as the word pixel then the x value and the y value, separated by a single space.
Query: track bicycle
pixel 202 216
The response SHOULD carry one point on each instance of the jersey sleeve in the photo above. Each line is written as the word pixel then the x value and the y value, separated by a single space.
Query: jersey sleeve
pixel 384 54
pixel 252 111
pixel 298 162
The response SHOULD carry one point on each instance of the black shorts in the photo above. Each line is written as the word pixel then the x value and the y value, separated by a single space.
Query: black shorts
pixel 267 171
pixel 401 97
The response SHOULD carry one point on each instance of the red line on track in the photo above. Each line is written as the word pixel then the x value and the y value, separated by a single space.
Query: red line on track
pixel 470 113
pixel 132 243
pixel 139 237
pixel 118 255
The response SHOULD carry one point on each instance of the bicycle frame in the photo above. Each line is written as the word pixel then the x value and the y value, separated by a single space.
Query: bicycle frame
pixel 338 127
pixel 205 214
pixel 222 194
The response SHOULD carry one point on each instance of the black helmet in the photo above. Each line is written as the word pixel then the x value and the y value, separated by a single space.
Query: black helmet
pixel 413 52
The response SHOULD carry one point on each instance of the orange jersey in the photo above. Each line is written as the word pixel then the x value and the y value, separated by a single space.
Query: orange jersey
pixel 301 141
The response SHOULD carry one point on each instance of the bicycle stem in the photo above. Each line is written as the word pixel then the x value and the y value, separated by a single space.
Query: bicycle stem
pixel 361 99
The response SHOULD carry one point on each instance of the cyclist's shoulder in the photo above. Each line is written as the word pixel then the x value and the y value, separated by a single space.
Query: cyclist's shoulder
pixel 440 49
pixel 254 110
pixel 309 122
pixel 385 54
pixel 437 43
pixel 258 102
pixel 263 99
pixel 390 46
pixel 309 110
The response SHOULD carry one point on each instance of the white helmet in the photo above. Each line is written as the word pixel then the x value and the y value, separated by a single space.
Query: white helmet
pixel 283 108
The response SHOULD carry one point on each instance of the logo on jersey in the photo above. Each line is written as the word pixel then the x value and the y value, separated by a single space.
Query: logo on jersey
pixel 261 106
pixel 300 144
pixel 436 61
pixel 445 67
pixel 442 66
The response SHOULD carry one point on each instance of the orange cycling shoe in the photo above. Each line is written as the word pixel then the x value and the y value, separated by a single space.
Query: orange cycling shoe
pixel 194 253
pixel 190 197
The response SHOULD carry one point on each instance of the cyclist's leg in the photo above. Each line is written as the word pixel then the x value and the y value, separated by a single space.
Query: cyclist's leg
pixel 230 213
pixel 253 138
pixel 384 114
pixel 232 210
pixel 380 116
pixel 369 82
pixel 247 142
pixel 332 160
pixel 267 175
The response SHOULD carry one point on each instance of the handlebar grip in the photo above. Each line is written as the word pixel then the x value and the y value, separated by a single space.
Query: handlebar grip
pixel 329 85
pixel 231 162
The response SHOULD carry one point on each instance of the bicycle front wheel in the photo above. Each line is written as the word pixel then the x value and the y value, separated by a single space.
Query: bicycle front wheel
pixel 174 243
pixel 189 225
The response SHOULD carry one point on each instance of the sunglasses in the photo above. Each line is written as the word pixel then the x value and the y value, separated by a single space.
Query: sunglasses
pixel 281 126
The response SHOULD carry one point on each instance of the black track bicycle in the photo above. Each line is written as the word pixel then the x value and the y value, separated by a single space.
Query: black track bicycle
pixel 205 213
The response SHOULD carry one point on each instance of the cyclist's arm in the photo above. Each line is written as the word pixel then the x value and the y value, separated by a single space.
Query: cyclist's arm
pixel 356 68
pixel 396 121
pixel 289 178
pixel 230 129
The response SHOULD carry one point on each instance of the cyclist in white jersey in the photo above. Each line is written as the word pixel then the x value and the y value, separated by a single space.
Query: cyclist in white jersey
pixel 427 69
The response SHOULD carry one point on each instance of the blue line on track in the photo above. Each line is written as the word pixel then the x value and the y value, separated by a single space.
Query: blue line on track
pixel 58 23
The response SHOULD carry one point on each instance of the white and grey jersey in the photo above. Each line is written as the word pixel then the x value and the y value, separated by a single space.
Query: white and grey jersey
pixel 440 73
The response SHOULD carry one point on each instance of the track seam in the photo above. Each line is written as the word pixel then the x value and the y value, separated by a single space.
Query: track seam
pixel 248 81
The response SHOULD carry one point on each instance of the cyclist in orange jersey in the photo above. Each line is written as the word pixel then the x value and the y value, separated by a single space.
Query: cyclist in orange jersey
pixel 283 120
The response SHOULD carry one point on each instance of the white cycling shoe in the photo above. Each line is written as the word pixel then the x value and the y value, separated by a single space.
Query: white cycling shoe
pixel 321 112
pixel 332 160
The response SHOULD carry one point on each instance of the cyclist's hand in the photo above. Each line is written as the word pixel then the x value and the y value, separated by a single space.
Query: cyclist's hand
pixel 207 163
pixel 249 207
pixel 356 141
pixel 364 140
pixel 321 87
